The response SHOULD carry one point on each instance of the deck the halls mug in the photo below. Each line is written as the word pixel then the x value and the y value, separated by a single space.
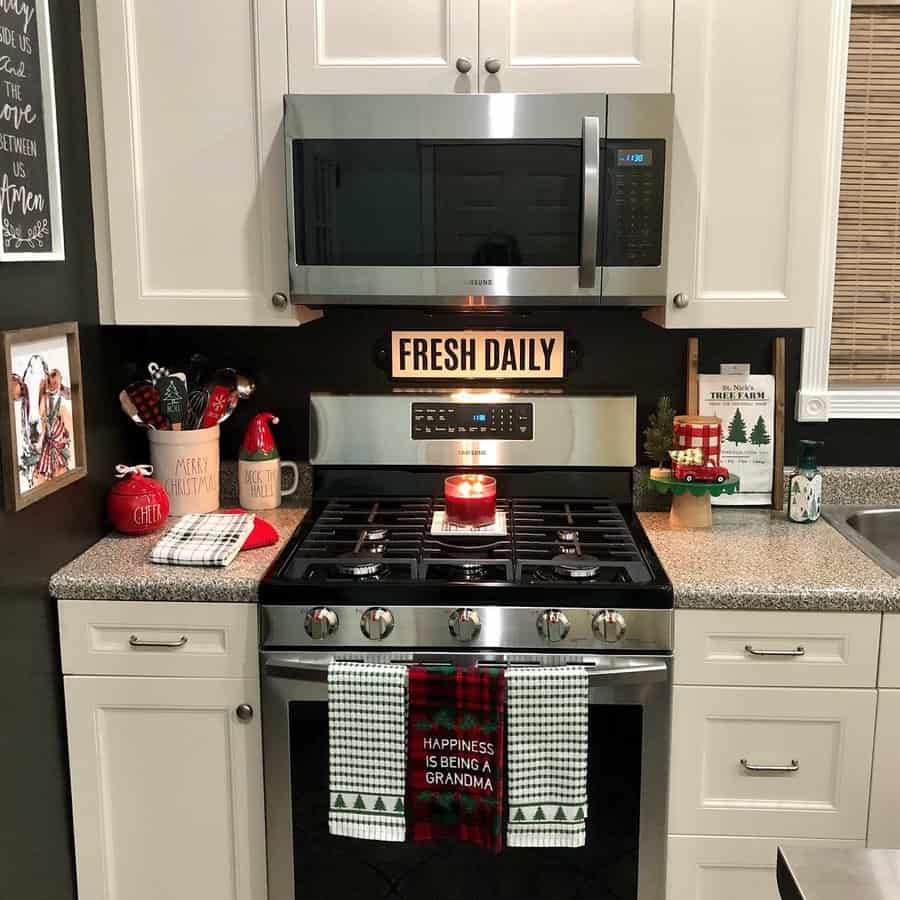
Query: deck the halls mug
pixel 260 465
pixel 187 464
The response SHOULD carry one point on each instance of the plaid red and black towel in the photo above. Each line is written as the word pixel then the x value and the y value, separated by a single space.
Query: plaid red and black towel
pixel 454 781
pixel 203 540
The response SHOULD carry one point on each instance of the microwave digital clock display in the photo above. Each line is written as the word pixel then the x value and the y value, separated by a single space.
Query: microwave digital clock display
pixel 634 157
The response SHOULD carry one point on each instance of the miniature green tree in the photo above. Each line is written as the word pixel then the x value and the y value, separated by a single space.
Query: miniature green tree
pixel 737 430
pixel 659 435
pixel 759 435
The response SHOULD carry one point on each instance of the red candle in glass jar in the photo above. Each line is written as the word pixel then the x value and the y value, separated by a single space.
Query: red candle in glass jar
pixel 471 499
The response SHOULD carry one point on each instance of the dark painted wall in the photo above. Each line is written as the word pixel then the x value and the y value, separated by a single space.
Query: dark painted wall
pixel 35 834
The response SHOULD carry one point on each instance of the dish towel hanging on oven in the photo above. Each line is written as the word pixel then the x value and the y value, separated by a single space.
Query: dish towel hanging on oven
pixel 455 780
pixel 367 750
pixel 547 755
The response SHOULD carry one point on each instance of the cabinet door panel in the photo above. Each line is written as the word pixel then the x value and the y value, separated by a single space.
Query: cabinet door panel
pixel 391 47
pixel 194 159
pixel 166 788
pixel 757 107
pixel 611 46
pixel 884 823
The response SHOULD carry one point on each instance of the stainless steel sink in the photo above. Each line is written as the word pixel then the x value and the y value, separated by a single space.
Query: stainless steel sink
pixel 875 530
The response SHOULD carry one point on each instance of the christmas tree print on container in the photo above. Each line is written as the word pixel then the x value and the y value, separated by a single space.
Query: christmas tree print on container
pixel 759 436
pixel 737 429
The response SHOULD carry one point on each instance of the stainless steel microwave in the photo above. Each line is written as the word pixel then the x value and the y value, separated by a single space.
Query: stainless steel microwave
pixel 477 199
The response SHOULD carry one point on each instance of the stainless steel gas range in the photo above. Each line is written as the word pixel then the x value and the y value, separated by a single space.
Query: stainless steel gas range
pixel 571 579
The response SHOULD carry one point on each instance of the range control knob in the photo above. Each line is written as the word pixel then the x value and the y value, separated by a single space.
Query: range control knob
pixel 376 623
pixel 553 625
pixel 321 622
pixel 609 626
pixel 465 624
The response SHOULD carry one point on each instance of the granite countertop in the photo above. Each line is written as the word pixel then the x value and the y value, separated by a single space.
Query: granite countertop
pixel 118 568
pixel 757 559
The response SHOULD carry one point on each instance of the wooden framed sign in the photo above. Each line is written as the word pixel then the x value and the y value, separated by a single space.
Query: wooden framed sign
pixel 461 355
pixel 30 201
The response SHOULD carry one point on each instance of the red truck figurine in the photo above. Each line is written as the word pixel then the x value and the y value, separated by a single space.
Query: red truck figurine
pixel 704 471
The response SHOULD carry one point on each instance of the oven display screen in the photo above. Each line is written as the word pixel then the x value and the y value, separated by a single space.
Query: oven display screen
pixel 634 157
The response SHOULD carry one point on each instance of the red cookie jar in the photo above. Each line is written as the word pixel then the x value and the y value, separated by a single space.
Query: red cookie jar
pixel 137 503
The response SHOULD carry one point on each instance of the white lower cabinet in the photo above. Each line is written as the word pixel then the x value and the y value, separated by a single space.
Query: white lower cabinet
pixel 884 822
pixel 728 868
pixel 167 790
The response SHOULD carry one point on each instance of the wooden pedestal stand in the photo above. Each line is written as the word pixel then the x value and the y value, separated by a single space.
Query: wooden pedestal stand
pixel 691 506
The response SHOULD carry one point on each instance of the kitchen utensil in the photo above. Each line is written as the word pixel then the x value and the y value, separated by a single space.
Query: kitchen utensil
pixel 220 399
pixel 198 370
pixel 173 398
pixel 197 401
pixel 156 371
pixel 130 409
pixel 145 398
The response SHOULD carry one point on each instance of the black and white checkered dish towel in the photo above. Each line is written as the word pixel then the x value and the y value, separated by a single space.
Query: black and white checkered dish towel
pixel 203 540
pixel 547 756
pixel 367 750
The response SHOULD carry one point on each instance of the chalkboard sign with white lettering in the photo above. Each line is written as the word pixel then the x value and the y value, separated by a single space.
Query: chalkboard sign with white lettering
pixel 30 207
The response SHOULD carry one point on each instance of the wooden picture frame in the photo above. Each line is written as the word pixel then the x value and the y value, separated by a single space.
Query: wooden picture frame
pixel 42 438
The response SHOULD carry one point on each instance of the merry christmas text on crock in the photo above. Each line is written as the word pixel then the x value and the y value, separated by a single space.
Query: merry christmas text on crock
pixel 478 354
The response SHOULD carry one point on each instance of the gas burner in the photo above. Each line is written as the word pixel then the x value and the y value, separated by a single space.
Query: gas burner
pixel 568 549
pixel 575 567
pixel 568 535
pixel 471 570
pixel 364 563
pixel 376 534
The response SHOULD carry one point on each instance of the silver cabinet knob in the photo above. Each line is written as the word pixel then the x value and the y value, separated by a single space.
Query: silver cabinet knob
pixel 321 622
pixel 492 65
pixel 244 712
pixel 279 300
pixel 680 301
pixel 553 625
pixel 376 623
pixel 609 626
pixel 464 65
pixel 465 624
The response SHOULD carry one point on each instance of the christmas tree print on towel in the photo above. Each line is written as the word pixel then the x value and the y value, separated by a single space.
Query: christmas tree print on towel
pixel 759 436
pixel 737 429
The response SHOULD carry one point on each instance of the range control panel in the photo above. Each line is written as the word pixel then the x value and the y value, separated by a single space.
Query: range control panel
pixel 468 421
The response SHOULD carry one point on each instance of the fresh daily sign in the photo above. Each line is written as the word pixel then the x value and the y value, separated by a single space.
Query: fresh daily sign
pixel 477 354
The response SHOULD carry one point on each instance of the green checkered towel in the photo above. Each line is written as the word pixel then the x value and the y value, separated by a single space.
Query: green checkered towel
pixel 547 755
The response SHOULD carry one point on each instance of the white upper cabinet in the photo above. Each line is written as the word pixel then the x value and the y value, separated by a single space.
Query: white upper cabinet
pixel 607 46
pixel 185 108
pixel 461 46
pixel 389 47
pixel 754 161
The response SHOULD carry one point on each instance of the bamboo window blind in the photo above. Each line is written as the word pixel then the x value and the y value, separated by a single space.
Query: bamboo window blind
pixel 865 338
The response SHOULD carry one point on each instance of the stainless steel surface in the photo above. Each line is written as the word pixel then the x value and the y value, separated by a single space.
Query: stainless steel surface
pixel 643 681
pixel 590 201
pixel 553 625
pixel 464 65
pixel 135 641
pixel 464 624
pixel 376 623
pixel 492 66
pixel 473 117
pixel 753 651
pixel 873 529
pixel 279 300
pixel 502 627
pixel 680 301
pixel 609 626
pixel 831 873
pixel 360 429
pixel 750 767
pixel 244 712
pixel 320 623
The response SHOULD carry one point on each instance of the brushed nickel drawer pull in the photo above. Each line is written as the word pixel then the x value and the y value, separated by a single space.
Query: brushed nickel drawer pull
pixel 135 641
pixel 749 767
pixel 749 648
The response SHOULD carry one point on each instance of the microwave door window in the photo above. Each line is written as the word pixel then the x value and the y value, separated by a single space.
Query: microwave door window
pixel 426 203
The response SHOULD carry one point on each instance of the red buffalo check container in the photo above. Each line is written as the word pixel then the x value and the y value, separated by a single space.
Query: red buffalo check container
pixel 702 432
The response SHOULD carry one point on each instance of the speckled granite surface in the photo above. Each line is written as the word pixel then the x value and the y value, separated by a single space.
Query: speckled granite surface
pixel 118 568
pixel 757 559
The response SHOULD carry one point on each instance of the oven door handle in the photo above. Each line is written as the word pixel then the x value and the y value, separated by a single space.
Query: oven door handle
pixel 590 201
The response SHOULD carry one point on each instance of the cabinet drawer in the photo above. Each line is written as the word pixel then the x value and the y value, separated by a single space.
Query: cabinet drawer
pixel 765 762
pixel 192 639
pixel 889 671
pixel 736 868
pixel 749 648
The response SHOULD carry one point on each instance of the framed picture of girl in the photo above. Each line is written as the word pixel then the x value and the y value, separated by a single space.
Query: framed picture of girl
pixel 42 440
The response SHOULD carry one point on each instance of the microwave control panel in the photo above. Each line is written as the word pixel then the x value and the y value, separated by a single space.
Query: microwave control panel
pixel 634 187
pixel 470 421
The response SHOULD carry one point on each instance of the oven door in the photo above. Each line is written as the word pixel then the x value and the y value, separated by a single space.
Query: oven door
pixel 624 854
pixel 493 199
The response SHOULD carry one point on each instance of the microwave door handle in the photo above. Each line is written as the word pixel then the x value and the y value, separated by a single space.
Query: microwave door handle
pixel 590 201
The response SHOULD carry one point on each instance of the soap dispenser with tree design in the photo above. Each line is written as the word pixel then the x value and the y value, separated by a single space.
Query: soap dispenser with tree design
pixel 805 486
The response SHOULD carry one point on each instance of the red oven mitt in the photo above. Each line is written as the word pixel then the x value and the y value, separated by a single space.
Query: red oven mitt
pixel 264 533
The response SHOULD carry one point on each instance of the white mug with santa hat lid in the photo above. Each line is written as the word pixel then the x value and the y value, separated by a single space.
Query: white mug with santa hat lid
pixel 259 466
